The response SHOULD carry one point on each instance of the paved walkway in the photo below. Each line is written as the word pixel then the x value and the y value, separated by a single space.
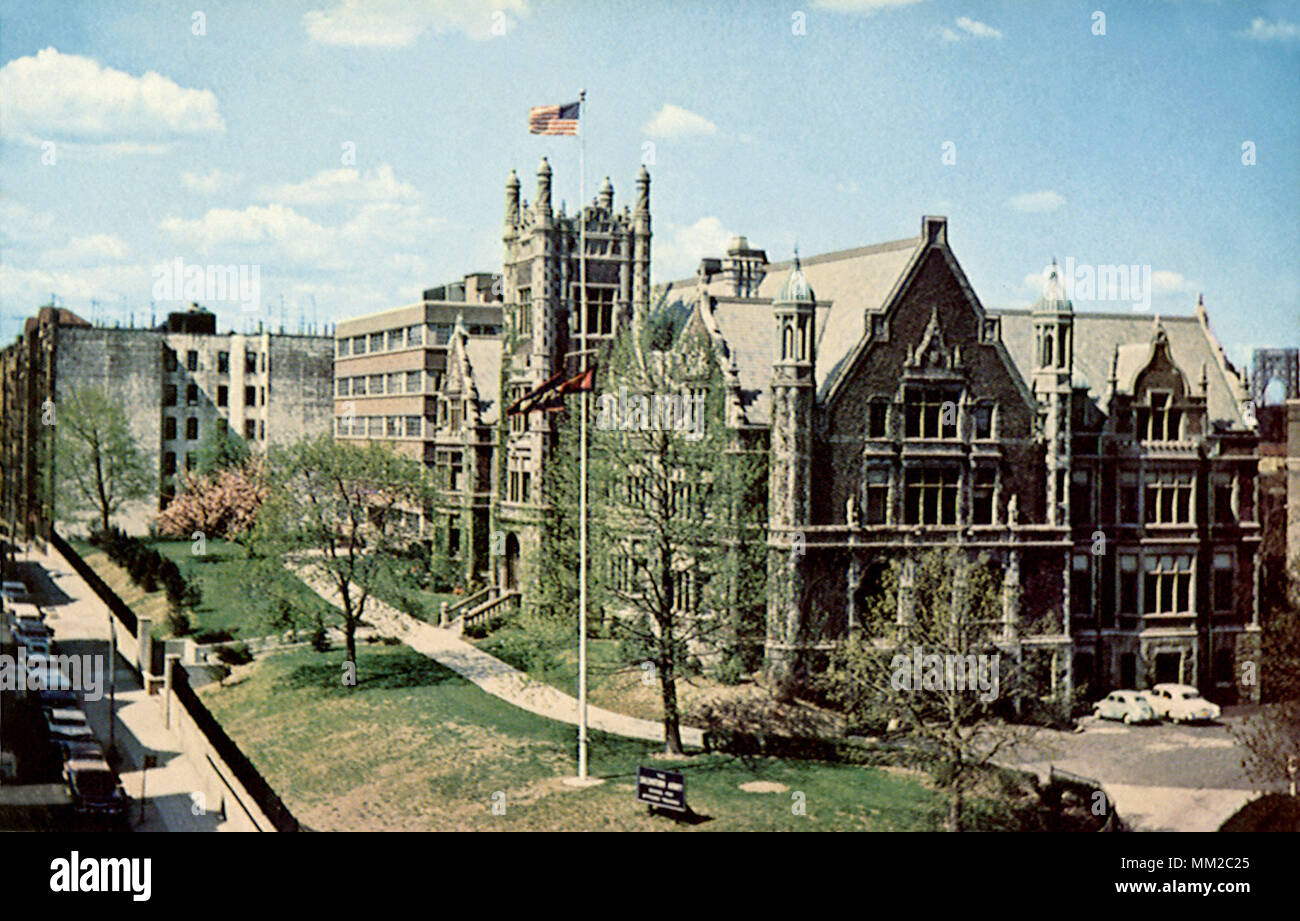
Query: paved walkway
pixel 446 648
pixel 80 623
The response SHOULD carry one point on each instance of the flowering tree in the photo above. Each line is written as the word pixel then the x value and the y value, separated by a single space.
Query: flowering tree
pixel 222 503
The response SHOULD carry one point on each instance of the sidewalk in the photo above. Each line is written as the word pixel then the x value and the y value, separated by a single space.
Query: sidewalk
pixel 80 623
pixel 496 677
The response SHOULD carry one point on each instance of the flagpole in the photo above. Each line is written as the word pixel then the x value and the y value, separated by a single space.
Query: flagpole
pixel 582 462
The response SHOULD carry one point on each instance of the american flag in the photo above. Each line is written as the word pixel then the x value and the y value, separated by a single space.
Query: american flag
pixel 554 119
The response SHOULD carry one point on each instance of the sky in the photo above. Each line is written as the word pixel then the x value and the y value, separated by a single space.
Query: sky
pixel 355 152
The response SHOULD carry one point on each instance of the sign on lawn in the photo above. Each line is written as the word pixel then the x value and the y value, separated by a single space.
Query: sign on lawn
pixel 666 789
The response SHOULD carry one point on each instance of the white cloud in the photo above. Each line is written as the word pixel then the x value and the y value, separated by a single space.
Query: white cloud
pixel 21 227
pixel 74 99
pixel 860 6
pixel 279 235
pixel 95 249
pixel 673 121
pixel 1036 202
pixel 22 290
pixel 210 182
pixel 398 23
pixel 972 28
pixel 1261 30
pixel 338 185
pixel 1167 282
pixel 678 253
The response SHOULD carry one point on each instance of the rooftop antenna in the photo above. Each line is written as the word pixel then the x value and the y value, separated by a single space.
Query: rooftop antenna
pixel 313 313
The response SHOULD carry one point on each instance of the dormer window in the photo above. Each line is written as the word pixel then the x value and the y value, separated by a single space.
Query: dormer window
pixel 929 412
pixel 982 421
pixel 1163 422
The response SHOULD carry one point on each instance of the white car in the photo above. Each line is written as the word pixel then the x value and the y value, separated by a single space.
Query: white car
pixel 22 610
pixel 14 591
pixel 1182 703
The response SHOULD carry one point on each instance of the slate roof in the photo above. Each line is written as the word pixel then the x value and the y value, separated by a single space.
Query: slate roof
pixel 1096 336
pixel 851 282
pixel 847 283
pixel 484 357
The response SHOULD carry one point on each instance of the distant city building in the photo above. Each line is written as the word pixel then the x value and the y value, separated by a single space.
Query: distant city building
pixel 390 368
pixel 175 383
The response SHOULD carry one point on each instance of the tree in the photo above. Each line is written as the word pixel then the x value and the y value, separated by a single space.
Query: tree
pixel 220 449
pixel 1271 737
pixel 222 503
pixel 100 466
pixel 665 488
pixel 341 513
pixel 928 658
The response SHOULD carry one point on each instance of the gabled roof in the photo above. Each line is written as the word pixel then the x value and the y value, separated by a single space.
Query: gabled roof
pixel 848 284
pixel 1098 335
pixel 475 362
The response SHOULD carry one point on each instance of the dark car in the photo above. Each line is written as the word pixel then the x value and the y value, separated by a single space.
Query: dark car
pixel 96 790
pixel 82 750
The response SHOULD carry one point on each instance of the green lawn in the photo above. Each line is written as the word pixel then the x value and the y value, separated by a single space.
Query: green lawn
pixel 426 605
pixel 234 587
pixel 416 747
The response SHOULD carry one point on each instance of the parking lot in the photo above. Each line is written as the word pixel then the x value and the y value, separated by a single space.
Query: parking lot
pixel 1162 776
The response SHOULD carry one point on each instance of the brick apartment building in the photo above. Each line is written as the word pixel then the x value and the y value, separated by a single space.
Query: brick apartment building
pixel 175 382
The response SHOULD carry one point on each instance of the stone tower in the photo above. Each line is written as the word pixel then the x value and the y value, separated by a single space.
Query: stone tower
pixel 789 474
pixel 1051 383
pixel 540 290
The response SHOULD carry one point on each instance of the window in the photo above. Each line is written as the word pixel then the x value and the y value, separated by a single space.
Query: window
pixel 250 429
pixel 1081 586
pixel 189 461
pixel 191 394
pixel 223 362
pixel 250 362
pixel 376 342
pixel 1080 497
pixel 1128 584
pixel 455 413
pixel 1223 582
pixel 1163 422
pixel 344 346
pixel 395 382
pixel 930 413
pixel 342 386
pixel 930 497
pixel 1128 498
pixel 414 335
pixel 441 333
pixel 169 360
pixel 169 462
pixel 376 384
pixel 261 430
pixel 518 421
pixel 414 381
pixel 982 495
pixel 169 395
pixel 223 395
pixel 524 313
pixel 1168 498
pixel 877 496
pixel 878 419
pixel 192 428
pixel 250 396
pixel 519 481
pixel 169 427
pixel 412 426
pixel 261 396
pixel 191 360
pixel 1246 497
pixel 1167 584
pixel 453 537
pixel 358 386
pixel 358 345
pixel 396 338
pixel 394 426
pixel 1222 489
pixel 982 417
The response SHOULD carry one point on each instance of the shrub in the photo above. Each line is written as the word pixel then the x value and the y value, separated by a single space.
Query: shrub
pixel 320 639
pixel 214 636
pixel 731 670
pixel 239 654
pixel 179 622
pixel 220 671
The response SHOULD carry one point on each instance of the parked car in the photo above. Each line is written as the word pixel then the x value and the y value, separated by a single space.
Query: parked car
pixel 67 724
pixel 82 750
pixel 21 610
pixel 1183 703
pixel 38 638
pixel 14 591
pixel 95 788
pixel 1128 706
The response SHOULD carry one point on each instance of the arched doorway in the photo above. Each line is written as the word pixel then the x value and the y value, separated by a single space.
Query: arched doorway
pixel 512 562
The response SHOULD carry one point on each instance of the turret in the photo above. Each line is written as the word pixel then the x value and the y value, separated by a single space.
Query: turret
pixel 543 203
pixel 512 202
pixel 1053 316
pixel 641 245
pixel 605 201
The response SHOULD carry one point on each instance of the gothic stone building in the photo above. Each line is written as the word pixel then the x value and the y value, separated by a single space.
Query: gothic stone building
pixel 1101 460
